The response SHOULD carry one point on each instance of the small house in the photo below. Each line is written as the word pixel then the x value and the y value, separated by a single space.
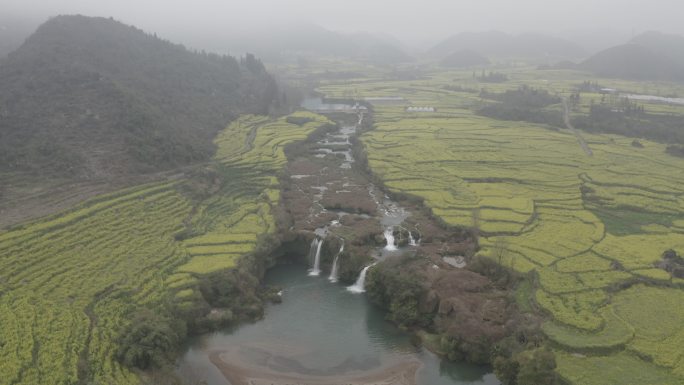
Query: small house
pixel 420 109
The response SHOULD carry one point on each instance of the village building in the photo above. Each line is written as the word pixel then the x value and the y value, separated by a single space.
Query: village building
pixel 420 109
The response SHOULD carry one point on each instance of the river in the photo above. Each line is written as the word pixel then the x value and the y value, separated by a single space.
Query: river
pixel 321 329
pixel 324 332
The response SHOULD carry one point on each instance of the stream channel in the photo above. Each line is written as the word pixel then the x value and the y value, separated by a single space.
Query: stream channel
pixel 325 332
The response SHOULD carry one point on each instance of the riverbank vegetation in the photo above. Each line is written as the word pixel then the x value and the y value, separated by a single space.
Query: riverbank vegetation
pixel 462 315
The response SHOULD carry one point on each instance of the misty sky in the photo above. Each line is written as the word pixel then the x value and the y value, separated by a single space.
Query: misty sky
pixel 409 21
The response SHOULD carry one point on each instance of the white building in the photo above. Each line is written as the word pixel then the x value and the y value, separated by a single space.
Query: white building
pixel 420 109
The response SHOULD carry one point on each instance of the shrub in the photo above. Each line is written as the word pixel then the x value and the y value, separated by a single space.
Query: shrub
pixel 536 367
pixel 150 340
pixel 529 367
pixel 392 286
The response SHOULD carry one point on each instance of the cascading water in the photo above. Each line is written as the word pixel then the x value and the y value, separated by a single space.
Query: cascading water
pixel 360 285
pixel 316 269
pixel 312 248
pixel 334 272
pixel 389 236
pixel 412 241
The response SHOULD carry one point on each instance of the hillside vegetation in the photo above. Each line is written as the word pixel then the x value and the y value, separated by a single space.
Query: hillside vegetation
pixel 93 98
pixel 88 295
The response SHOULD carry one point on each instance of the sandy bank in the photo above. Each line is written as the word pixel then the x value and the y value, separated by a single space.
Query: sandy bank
pixel 238 372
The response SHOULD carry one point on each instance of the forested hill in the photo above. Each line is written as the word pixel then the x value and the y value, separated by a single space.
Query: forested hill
pixel 92 97
pixel 635 61
pixel 649 56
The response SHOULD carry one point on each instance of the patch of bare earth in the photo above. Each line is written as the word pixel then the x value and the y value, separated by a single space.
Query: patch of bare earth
pixel 239 371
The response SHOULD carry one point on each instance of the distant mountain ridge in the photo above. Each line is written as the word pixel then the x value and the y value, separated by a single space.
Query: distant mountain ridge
pixel 284 42
pixel 464 59
pixel 503 45
pixel 92 97
pixel 662 43
pixel 649 56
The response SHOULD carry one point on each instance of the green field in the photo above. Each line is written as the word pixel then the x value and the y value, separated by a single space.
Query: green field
pixel 586 225
pixel 587 229
pixel 69 283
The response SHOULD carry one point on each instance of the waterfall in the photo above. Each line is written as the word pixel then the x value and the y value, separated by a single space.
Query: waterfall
pixel 334 272
pixel 360 284
pixel 412 241
pixel 316 269
pixel 312 249
pixel 389 236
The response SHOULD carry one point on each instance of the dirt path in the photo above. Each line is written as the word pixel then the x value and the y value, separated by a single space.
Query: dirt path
pixel 580 139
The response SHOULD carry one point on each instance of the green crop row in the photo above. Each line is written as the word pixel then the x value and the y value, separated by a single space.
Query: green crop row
pixel 586 225
pixel 68 283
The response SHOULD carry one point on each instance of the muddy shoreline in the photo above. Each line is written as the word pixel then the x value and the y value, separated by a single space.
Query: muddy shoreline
pixel 239 372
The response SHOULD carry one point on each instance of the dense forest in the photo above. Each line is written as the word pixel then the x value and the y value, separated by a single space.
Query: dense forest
pixel 624 117
pixel 524 104
pixel 92 97
pixel 609 115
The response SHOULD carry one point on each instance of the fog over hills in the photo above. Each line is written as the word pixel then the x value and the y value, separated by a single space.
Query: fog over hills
pixel 92 97
pixel 500 44
pixel 207 24
pixel 281 42
pixel 671 44
pixel 427 21
pixel 464 58
pixel 649 56
pixel 13 31
pixel 355 192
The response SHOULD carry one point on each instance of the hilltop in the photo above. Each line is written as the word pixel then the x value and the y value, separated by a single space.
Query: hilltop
pixel 288 42
pixel 92 98
pixel 650 56
pixel 503 45
pixel 663 43
pixel 634 61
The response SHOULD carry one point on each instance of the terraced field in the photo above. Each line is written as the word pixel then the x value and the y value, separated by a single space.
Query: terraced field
pixel 68 282
pixel 588 226
pixel 250 154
